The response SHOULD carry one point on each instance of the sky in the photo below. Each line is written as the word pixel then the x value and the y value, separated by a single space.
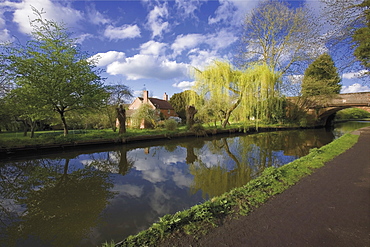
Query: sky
pixel 148 44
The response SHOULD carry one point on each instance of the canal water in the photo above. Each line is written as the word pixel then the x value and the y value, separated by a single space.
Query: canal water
pixel 91 196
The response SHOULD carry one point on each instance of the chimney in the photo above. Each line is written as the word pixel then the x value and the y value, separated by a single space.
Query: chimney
pixel 145 96
pixel 165 97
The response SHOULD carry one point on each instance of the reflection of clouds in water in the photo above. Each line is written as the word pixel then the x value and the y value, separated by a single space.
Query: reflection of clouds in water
pixel 181 179
pixel 157 166
pixel 86 162
pixel 178 155
pixel 157 157
pixel 128 190
pixel 155 175
pixel 106 162
pixel 210 159
pixel 10 205
pixel 159 201
pixel 165 172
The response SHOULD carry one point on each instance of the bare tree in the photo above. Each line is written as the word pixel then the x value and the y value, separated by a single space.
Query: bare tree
pixel 343 18
pixel 280 36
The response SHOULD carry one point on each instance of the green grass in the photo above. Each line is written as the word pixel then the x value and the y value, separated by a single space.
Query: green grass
pixel 12 140
pixel 240 201
pixel 17 140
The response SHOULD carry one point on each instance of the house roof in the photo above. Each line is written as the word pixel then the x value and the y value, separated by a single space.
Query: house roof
pixel 159 103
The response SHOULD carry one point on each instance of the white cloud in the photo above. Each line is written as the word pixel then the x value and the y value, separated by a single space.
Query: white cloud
pixel 81 38
pixel 2 18
pixel 122 32
pixel 189 41
pixel 232 12
pixel 153 48
pixel 53 11
pixel 156 21
pixel 143 66
pixel 223 13
pixel 221 39
pixel 354 75
pixel 186 8
pixel 355 88
pixel 104 59
pixel 215 41
pixel 295 79
pixel 184 85
pixel 201 58
pixel 5 36
pixel 96 17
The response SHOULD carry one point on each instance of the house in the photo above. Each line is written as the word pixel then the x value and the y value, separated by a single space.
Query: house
pixel 163 107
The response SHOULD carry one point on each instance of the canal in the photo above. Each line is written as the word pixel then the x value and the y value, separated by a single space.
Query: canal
pixel 90 196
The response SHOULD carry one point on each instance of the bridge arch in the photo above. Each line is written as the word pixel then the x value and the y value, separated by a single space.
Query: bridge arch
pixel 324 113
pixel 326 118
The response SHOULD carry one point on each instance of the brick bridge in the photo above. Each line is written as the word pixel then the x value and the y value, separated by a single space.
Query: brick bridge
pixel 325 113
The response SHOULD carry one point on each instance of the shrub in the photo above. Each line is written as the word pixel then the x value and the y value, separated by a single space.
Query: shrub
pixel 198 129
pixel 170 124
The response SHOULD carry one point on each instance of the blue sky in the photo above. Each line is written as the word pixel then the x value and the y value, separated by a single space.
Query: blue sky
pixel 147 44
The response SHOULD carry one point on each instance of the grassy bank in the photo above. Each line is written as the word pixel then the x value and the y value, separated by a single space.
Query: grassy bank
pixel 10 140
pixel 16 140
pixel 239 201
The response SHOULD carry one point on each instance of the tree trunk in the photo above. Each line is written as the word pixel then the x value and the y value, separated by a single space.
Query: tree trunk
pixel 124 164
pixel 65 127
pixel 25 127
pixel 112 118
pixel 228 113
pixel 190 112
pixel 64 177
pixel 121 116
pixel 33 127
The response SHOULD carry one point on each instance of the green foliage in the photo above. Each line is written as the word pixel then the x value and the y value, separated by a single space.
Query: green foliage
pixel 145 114
pixel 352 113
pixel 321 78
pixel 54 71
pixel 361 38
pixel 118 95
pixel 110 244
pixel 198 129
pixel 170 124
pixel 251 93
pixel 179 101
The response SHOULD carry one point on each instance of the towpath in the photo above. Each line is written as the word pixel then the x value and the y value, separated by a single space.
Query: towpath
pixel 331 207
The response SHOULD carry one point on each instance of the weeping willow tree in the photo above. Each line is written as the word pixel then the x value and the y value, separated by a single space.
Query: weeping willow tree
pixel 247 94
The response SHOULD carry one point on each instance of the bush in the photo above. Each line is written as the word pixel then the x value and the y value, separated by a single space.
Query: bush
pixel 352 113
pixel 198 129
pixel 170 124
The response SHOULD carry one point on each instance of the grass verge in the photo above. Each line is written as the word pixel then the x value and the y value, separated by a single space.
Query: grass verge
pixel 239 201
pixel 10 140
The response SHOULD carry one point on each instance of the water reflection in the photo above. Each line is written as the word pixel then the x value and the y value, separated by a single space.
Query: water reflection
pixel 86 197
pixel 43 203
pixel 346 127
pixel 227 163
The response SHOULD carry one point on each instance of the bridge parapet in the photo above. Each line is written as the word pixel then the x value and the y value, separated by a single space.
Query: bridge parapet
pixel 351 99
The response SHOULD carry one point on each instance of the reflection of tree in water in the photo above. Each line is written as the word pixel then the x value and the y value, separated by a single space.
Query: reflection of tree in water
pixel 216 179
pixel 191 146
pixel 60 207
pixel 113 160
pixel 249 156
